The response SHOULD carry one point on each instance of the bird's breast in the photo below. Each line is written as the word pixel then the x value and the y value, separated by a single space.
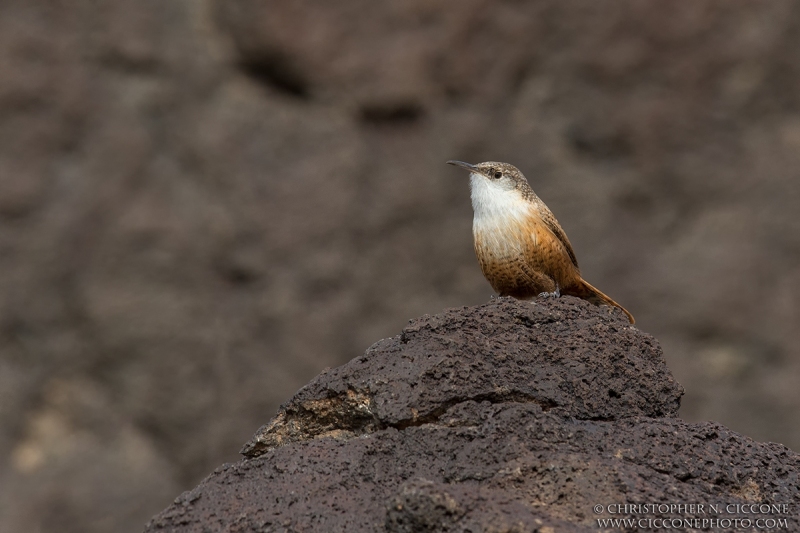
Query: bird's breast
pixel 502 225
pixel 519 255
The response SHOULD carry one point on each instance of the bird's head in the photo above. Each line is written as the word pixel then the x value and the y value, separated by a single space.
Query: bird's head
pixel 496 185
pixel 499 175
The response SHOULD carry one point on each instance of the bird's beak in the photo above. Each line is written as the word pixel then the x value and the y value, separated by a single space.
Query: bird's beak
pixel 465 166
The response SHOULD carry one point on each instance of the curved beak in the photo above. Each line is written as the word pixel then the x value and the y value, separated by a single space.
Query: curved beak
pixel 465 166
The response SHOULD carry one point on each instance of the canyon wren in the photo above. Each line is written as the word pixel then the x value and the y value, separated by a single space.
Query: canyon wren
pixel 522 250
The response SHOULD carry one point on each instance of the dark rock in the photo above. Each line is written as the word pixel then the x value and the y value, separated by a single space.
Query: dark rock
pixel 563 355
pixel 510 416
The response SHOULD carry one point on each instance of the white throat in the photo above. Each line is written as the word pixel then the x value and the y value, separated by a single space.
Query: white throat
pixel 495 205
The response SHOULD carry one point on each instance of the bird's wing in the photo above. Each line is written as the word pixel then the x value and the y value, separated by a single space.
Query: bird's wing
pixel 551 224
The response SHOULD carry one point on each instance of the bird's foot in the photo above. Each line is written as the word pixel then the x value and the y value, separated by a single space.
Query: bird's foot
pixel 555 294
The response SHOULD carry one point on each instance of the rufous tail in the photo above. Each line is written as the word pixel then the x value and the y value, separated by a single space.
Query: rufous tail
pixel 591 294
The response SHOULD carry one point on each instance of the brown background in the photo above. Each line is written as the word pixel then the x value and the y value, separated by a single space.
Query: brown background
pixel 204 203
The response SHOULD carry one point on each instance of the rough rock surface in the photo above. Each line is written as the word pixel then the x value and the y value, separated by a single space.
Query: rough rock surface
pixel 508 417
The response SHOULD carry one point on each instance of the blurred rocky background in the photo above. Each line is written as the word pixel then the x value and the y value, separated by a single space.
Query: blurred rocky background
pixel 203 203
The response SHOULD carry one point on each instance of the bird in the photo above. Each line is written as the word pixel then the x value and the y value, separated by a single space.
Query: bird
pixel 522 250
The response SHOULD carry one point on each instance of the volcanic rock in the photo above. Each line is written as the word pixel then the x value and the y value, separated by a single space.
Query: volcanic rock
pixel 509 416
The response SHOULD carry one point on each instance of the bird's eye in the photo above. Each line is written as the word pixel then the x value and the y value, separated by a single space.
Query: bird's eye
pixel 498 174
